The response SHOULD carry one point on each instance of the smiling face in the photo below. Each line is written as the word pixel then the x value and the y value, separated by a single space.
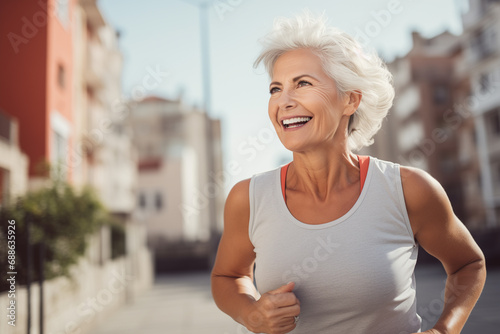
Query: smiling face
pixel 305 107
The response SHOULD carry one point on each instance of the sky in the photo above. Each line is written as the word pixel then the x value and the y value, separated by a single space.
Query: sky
pixel 164 36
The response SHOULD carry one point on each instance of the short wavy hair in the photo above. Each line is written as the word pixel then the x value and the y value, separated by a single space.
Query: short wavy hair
pixel 344 60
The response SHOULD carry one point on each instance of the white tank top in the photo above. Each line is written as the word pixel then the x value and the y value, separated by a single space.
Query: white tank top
pixel 354 274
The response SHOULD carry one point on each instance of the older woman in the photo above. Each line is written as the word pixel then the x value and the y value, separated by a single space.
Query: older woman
pixel 333 236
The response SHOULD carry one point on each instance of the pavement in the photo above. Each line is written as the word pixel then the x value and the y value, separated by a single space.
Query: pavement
pixel 485 317
pixel 182 304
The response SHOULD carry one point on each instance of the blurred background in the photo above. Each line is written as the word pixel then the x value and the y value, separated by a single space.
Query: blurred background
pixel 124 123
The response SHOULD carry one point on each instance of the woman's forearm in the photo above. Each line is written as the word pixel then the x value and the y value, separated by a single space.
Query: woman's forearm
pixel 234 295
pixel 462 291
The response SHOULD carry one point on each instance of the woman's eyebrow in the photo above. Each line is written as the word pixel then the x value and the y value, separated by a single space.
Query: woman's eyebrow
pixel 303 75
pixel 297 78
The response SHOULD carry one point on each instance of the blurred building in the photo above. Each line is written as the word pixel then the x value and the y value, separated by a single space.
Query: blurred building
pixel 446 115
pixel 60 93
pixel 180 195
pixel 482 64
pixel 36 88
pixel 103 156
pixel 13 163
pixel 61 79
pixel 418 131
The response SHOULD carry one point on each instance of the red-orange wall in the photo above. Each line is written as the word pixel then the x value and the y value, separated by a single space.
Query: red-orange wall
pixel 28 75
pixel 23 75
pixel 60 52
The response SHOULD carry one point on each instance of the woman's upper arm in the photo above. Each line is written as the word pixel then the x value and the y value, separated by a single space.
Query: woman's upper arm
pixel 434 224
pixel 235 256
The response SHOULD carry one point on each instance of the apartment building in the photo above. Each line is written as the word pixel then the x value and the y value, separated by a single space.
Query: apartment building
pixel 61 80
pixel 103 155
pixel 482 65
pixel 36 63
pixel 179 195
pixel 419 130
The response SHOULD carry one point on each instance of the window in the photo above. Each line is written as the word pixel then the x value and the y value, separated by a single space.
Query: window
pixel 142 200
pixel 440 94
pixel 447 163
pixel 498 173
pixel 158 201
pixel 59 135
pixel 62 11
pixel 5 126
pixel 58 154
pixel 484 42
pixel 484 82
pixel 61 76
pixel 118 129
pixel 58 147
pixel 495 122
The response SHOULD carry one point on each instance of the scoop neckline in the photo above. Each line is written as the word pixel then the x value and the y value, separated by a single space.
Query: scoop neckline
pixel 356 205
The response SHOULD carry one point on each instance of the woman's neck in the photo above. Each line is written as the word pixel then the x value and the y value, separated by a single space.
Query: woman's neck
pixel 322 172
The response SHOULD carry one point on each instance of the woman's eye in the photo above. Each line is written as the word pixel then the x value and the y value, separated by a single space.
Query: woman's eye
pixel 304 83
pixel 274 90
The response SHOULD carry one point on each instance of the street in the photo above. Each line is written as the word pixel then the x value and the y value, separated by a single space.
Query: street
pixel 182 304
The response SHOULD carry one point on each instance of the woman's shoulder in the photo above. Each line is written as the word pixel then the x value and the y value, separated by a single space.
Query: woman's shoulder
pixel 239 193
pixel 417 183
pixel 419 186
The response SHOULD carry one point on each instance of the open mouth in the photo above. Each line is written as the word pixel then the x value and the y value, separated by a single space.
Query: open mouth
pixel 295 122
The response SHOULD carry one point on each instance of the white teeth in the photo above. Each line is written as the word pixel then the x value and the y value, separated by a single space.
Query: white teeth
pixel 296 120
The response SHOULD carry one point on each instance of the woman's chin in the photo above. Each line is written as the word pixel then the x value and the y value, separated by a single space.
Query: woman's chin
pixel 297 147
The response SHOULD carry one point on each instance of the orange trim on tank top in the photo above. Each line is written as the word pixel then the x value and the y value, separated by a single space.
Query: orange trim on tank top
pixel 364 161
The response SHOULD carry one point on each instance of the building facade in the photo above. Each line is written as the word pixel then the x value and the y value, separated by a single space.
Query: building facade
pixel 61 117
pixel 419 130
pixel 61 80
pixel 103 155
pixel 482 63
pixel 36 63
pixel 446 115
pixel 180 195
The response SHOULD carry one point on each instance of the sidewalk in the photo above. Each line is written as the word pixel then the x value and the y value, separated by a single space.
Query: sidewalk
pixel 485 317
pixel 182 304
pixel 177 304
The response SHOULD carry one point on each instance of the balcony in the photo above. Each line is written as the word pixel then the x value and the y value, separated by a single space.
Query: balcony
pixel 96 64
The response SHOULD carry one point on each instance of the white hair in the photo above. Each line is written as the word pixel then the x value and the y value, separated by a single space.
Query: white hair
pixel 344 60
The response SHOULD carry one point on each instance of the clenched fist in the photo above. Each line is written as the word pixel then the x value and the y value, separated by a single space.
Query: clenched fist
pixel 274 312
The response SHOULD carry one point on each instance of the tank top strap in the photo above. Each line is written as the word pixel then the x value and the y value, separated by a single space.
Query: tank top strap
pixel 364 162
pixel 284 169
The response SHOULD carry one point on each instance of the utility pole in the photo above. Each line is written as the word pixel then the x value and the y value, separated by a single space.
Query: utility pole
pixel 207 106
pixel 205 52
pixel 205 57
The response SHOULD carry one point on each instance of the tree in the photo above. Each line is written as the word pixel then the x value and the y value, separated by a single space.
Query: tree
pixel 61 218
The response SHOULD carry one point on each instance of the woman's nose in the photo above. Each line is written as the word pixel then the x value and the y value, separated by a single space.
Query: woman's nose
pixel 287 101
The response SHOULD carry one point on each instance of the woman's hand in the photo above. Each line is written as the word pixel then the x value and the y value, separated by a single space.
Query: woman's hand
pixel 274 312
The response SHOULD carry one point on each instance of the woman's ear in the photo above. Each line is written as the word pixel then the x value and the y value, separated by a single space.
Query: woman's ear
pixel 353 100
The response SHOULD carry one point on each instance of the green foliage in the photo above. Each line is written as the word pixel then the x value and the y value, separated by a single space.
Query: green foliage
pixel 61 218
